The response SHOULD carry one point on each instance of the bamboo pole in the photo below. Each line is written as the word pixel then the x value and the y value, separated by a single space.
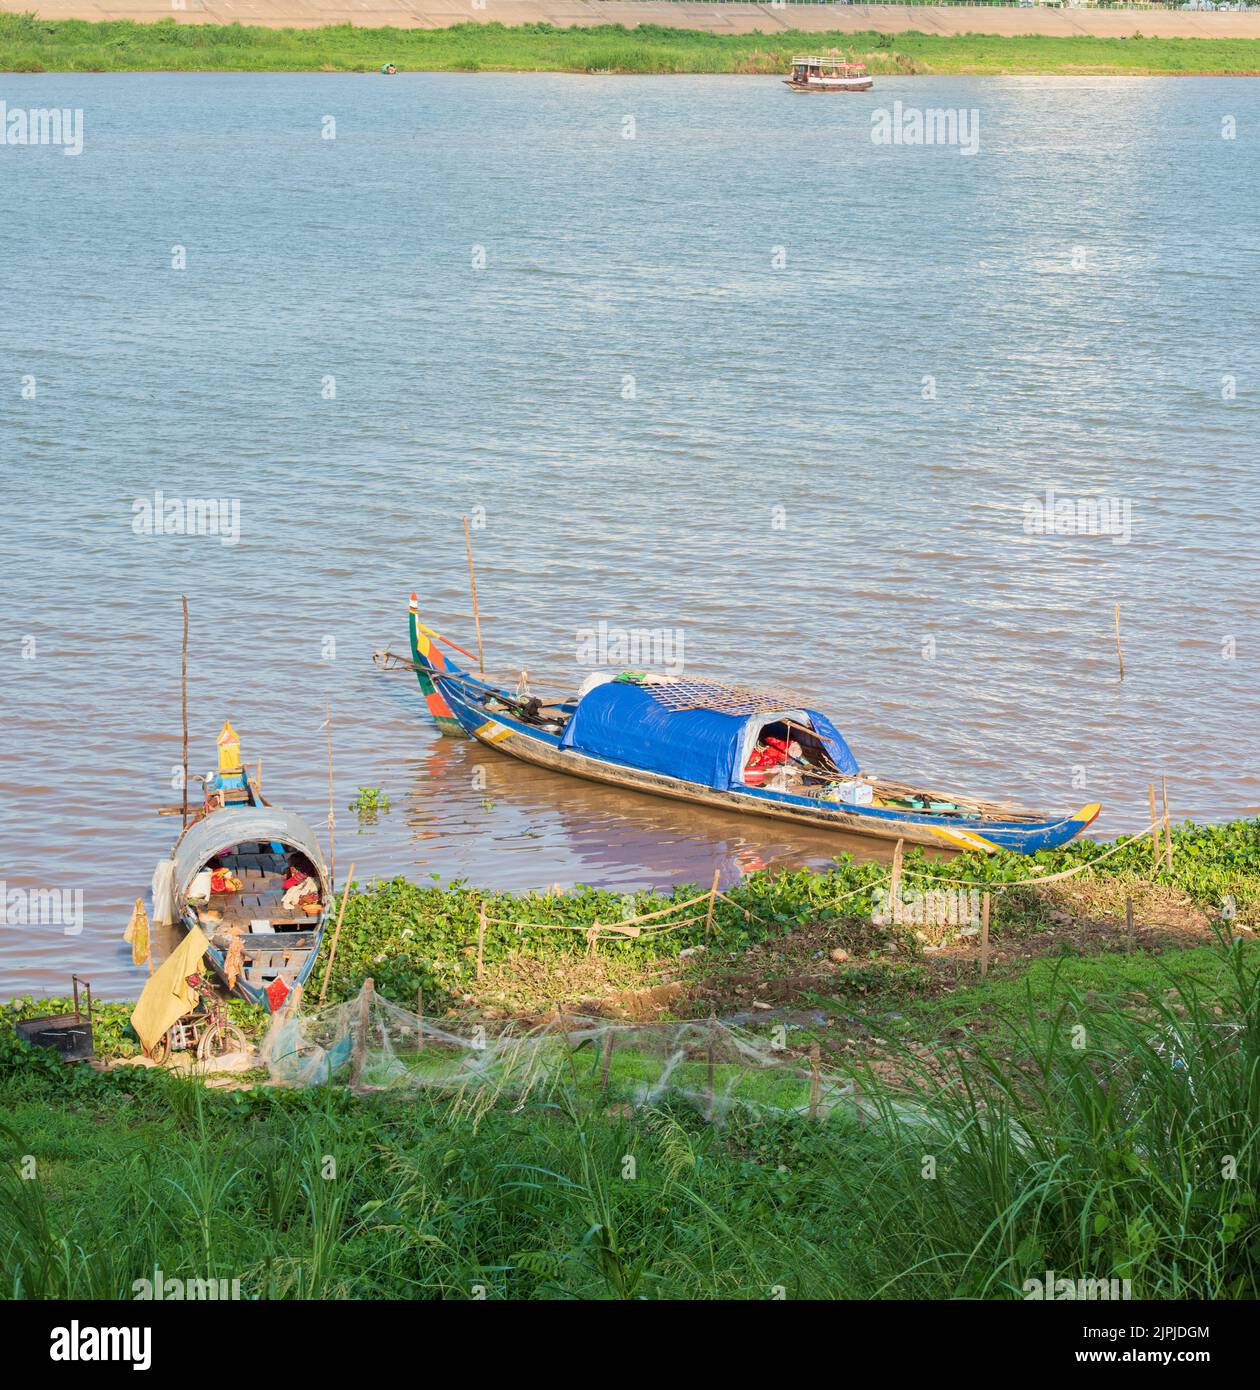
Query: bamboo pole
pixel 472 580
pixel 708 917
pixel 815 1080
pixel 894 884
pixel 709 1068
pixel 984 936
pixel 420 1017
pixel 1156 848
pixel 332 951
pixel 1167 825
pixel 360 1030
pixel 332 850
pixel 481 938
pixel 1128 923
pixel 1119 649
pixel 183 701
pixel 605 1064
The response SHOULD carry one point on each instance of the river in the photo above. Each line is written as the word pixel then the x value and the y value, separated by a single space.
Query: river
pixel 697 358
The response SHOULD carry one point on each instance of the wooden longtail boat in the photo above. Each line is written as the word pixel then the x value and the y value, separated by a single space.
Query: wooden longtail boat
pixel 260 948
pixel 708 743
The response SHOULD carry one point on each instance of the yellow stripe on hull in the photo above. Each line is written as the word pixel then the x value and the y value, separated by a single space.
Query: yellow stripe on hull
pixel 490 732
pixel 965 839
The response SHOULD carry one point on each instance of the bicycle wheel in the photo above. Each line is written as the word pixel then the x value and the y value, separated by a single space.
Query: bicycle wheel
pixel 219 1039
pixel 162 1049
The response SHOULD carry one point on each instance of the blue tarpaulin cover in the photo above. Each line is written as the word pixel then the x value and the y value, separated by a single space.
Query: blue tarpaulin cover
pixel 622 723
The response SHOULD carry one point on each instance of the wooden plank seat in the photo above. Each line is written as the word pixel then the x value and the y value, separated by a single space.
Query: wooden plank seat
pixel 280 941
pixel 266 941
pixel 274 960
pixel 264 966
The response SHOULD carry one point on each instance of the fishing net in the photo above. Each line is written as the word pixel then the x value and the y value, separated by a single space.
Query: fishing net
pixel 371 1044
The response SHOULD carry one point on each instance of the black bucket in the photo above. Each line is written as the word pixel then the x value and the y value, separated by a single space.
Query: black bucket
pixel 69 1034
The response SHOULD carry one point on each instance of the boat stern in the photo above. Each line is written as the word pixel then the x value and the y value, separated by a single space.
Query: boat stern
pixel 1021 839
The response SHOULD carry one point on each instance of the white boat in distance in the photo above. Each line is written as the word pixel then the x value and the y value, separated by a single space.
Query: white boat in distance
pixel 813 74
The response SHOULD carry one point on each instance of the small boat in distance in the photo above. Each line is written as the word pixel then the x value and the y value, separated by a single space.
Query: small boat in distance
pixel 814 74
pixel 717 745
pixel 252 878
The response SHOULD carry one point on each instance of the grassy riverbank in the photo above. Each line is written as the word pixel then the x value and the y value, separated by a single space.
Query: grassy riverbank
pixel 1086 1131
pixel 1089 1107
pixel 33 45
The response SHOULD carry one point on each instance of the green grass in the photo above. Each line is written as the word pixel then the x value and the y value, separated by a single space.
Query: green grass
pixel 1098 1116
pixel 28 44
pixel 1099 1137
pixel 1104 1138
pixel 1111 977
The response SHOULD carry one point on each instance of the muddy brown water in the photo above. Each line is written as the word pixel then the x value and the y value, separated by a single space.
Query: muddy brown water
pixel 749 379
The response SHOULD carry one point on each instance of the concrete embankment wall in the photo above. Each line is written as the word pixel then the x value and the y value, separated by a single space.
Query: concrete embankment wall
pixel 715 18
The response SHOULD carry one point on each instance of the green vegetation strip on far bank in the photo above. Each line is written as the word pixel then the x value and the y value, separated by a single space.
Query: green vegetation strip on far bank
pixel 28 44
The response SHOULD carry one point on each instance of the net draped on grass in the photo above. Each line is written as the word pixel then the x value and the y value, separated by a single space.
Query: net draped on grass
pixel 369 1043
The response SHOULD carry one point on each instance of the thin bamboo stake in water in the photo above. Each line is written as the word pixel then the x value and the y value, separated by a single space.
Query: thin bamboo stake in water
pixel 1119 650
pixel 984 936
pixel 332 850
pixel 332 950
pixel 472 580
pixel 1167 825
pixel 1156 849
pixel 708 920
pixel 183 701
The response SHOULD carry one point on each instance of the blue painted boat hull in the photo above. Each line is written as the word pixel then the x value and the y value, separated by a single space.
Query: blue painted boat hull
pixel 476 707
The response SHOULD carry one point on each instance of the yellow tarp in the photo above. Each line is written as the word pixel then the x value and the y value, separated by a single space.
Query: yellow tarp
pixel 168 996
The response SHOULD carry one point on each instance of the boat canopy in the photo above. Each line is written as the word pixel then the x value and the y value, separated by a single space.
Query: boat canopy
pixel 222 830
pixel 832 64
pixel 623 723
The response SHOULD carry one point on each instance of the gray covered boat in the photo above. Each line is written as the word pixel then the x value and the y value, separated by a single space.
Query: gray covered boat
pixel 252 877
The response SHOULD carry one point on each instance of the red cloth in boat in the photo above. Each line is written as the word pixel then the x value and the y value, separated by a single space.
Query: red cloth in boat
pixel 776 751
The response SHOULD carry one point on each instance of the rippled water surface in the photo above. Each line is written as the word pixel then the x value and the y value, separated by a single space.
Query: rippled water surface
pixel 747 374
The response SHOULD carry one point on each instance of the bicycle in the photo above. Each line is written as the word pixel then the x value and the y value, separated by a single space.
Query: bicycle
pixel 207 1030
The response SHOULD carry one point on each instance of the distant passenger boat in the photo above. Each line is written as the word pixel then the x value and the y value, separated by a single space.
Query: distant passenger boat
pixel 716 745
pixel 812 74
